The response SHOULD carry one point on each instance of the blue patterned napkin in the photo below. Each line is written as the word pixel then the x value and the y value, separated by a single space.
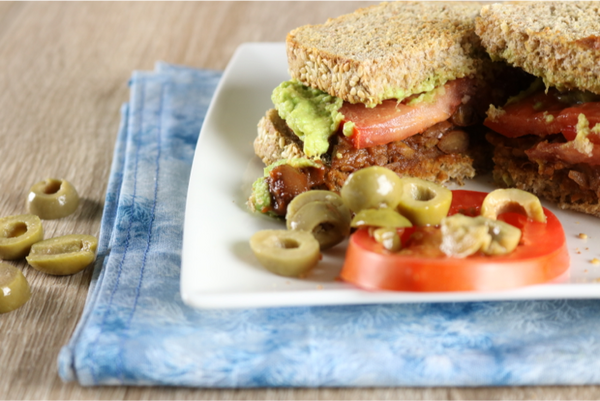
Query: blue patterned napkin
pixel 136 330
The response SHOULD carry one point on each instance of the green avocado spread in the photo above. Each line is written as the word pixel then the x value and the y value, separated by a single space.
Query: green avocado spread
pixel 312 114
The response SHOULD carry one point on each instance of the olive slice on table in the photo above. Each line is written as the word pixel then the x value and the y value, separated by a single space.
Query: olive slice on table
pixel 372 188
pixel 17 235
pixel 14 289
pixel 285 252
pixel 327 219
pixel 61 256
pixel 52 198
pixel 423 202
pixel 512 200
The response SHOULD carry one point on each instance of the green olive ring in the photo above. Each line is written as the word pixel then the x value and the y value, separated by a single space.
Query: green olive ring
pixel 284 252
pixel 512 200
pixel 379 218
pixel 372 188
pixel 17 235
pixel 65 255
pixel 463 236
pixel 423 202
pixel 315 195
pixel 52 199
pixel 328 222
pixel 14 288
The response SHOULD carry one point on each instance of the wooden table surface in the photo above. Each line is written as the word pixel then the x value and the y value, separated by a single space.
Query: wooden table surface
pixel 64 69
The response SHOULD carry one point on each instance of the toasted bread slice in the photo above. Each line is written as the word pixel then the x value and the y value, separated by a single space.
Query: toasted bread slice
pixel 275 140
pixel 557 41
pixel 387 51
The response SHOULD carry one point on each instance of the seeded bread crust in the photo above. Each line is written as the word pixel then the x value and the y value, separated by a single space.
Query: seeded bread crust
pixel 557 41
pixel 387 50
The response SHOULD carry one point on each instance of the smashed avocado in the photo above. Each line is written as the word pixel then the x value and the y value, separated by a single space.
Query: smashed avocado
pixel 312 114
pixel 260 200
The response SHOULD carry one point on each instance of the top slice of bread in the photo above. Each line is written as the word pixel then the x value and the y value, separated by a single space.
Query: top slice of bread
pixel 557 41
pixel 390 50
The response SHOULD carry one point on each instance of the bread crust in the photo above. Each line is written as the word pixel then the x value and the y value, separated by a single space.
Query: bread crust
pixel 557 41
pixel 275 140
pixel 390 50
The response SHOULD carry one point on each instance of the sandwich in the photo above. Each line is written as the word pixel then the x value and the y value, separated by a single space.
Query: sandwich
pixel 400 85
pixel 546 139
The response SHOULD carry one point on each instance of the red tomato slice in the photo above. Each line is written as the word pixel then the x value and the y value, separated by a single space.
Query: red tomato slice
pixel 392 121
pixel 541 256
pixel 543 114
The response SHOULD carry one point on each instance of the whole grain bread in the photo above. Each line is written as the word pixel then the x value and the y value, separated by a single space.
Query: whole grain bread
pixel 275 140
pixel 557 41
pixel 390 50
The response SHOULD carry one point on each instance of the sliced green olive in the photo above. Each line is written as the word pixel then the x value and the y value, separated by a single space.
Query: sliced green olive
pixel 315 195
pixel 285 252
pixel 463 236
pixel 380 218
pixel 372 188
pixel 388 237
pixel 52 199
pixel 14 289
pixel 424 202
pixel 18 234
pixel 329 225
pixel 64 255
pixel 512 200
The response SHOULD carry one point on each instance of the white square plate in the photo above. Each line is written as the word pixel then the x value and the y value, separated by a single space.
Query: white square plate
pixel 218 267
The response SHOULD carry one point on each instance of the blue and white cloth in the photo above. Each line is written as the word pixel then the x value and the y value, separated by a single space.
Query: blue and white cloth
pixel 135 330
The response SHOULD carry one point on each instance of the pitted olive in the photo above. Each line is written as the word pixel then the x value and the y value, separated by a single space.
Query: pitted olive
pixel 380 218
pixel 329 224
pixel 315 195
pixel 372 188
pixel 64 255
pixel 388 237
pixel 424 202
pixel 14 289
pixel 52 199
pixel 18 234
pixel 463 236
pixel 285 252
pixel 512 200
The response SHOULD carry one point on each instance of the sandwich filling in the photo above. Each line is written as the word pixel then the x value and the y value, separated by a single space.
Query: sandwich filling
pixel 426 136
pixel 548 142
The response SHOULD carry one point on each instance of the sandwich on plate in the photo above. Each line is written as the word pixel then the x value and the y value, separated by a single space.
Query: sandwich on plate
pixel 400 85
pixel 547 139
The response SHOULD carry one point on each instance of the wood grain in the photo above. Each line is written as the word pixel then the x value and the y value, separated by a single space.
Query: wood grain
pixel 63 77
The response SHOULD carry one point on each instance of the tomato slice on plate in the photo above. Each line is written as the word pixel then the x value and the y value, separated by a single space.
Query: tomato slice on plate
pixel 540 257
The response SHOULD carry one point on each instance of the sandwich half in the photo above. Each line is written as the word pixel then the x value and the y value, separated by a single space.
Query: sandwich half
pixel 400 85
pixel 547 139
